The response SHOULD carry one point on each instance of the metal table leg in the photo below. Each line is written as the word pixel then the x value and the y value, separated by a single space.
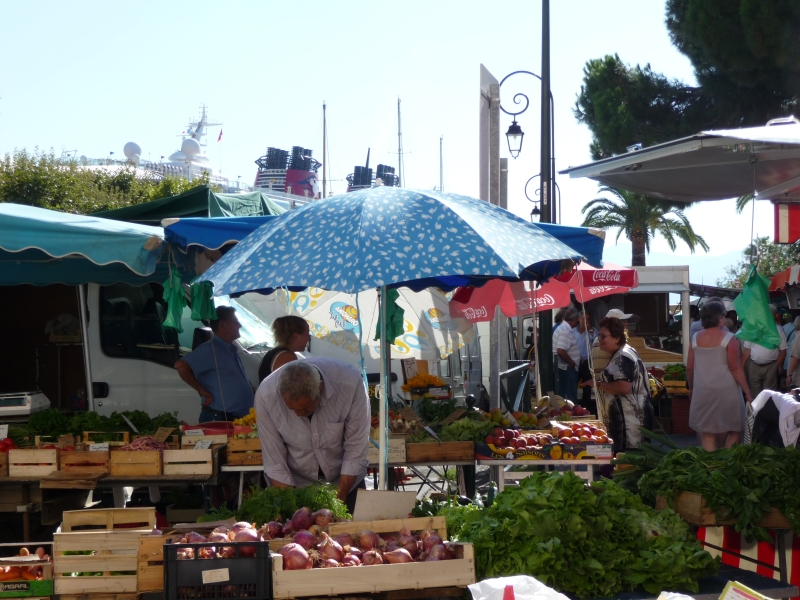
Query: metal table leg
pixel 241 487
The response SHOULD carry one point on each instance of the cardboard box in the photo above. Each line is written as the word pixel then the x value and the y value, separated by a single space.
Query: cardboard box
pixel 548 452
pixel 397 452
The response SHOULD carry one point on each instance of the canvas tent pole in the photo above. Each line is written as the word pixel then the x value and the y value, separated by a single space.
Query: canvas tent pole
pixel 383 451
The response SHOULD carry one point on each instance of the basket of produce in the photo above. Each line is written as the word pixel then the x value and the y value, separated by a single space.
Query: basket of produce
pixel 675 378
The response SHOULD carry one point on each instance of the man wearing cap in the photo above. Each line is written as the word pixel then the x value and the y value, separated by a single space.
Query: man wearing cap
pixel 569 355
pixel 600 357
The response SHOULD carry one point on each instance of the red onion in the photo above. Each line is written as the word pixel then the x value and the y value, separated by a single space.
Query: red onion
pixel 218 537
pixel 302 519
pixel 295 558
pixel 330 548
pixel 391 545
pixel 398 556
pixel 409 542
pixel 367 540
pixel 274 529
pixel 345 539
pixel 329 563
pixel 246 535
pixel 288 529
pixel 323 517
pixel 195 538
pixel 306 539
pixel 356 552
pixel 351 561
pixel 226 552
pixel 430 541
pixel 237 527
pixel 426 533
pixel 372 557
pixel 207 552
pixel 439 552
pixel 156 532
pixel 221 529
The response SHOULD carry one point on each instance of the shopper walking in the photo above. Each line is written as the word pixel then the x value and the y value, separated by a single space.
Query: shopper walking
pixel 714 374
pixel 763 365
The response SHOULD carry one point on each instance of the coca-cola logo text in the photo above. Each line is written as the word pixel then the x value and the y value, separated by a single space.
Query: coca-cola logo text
pixel 542 302
pixel 472 314
pixel 601 289
pixel 605 277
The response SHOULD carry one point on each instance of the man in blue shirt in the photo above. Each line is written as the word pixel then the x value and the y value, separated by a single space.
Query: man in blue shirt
pixel 215 370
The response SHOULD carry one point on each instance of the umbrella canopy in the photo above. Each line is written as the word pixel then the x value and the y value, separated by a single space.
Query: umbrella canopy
pixel 787 277
pixel 429 332
pixel 386 236
pixel 212 233
pixel 42 247
pixel 711 165
pixel 515 299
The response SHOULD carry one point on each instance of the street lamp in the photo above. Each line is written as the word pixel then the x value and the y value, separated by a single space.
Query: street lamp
pixel 514 136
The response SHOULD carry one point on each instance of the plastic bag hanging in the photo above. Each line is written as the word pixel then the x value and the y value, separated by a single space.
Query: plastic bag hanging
pixel 176 300
pixel 202 301
pixel 752 308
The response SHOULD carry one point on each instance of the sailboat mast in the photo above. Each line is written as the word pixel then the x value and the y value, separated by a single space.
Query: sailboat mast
pixel 441 171
pixel 324 147
pixel 399 145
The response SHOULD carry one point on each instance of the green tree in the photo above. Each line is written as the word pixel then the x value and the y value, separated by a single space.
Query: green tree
pixel 41 179
pixel 640 218
pixel 744 57
pixel 770 259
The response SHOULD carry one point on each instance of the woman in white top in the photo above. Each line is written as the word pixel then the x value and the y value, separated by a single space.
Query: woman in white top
pixel 714 374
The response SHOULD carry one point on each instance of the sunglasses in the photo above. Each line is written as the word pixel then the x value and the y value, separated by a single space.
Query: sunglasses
pixel 602 336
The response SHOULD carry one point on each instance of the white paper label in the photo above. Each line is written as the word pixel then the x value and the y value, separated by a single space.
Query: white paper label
pixel 600 450
pixel 203 445
pixel 215 576
pixel 98 447
pixel 193 432
pixel 3 432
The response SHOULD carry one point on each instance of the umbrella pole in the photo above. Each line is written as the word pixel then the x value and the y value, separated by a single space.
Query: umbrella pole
pixel 383 465
pixel 536 347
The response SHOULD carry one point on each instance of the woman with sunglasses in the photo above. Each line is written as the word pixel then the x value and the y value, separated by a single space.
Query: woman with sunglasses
pixel 623 388
pixel 715 375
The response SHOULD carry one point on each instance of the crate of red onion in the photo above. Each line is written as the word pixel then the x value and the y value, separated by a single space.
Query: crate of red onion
pixel 404 553
pixel 216 569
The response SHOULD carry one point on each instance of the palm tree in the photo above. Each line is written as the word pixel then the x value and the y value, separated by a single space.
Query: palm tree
pixel 640 218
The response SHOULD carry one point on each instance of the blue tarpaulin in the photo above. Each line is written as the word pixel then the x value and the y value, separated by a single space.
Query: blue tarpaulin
pixel 588 241
pixel 42 247
pixel 211 233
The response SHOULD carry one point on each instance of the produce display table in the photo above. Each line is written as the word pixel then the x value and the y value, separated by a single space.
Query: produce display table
pixel 427 477
pixel 241 469
pixel 711 587
pixel 501 474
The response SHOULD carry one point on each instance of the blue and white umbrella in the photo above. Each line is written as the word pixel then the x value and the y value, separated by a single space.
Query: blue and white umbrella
pixel 389 237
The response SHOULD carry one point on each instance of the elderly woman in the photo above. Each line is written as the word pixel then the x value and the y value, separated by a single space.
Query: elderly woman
pixel 714 374
pixel 292 335
pixel 623 389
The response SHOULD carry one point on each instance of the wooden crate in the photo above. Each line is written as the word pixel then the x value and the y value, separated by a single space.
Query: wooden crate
pixel 32 463
pixel 188 441
pixel 113 551
pixel 139 463
pixel 124 437
pixel 150 571
pixel 173 441
pixel 397 452
pixel 84 462
pixel 378 578
pixel 244 452
pixel 692 509
pixel 675 387
pixel 3 464
pixel 440 451
pixel 98 597
pixel 109 519
pixel 188 462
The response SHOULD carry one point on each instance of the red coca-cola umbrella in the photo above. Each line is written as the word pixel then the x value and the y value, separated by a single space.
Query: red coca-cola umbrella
pixel 514 299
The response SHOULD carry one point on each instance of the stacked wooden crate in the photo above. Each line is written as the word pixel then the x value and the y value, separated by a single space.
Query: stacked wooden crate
pixel 150 571
pixel 136 463
pixel 244 452
pixel 32 464
pixel 102 548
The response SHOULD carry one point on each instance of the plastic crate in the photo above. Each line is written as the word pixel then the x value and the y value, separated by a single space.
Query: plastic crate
pixel 239 577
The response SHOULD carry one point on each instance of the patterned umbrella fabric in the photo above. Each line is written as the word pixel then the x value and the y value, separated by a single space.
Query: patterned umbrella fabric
pixel 429 332
pixel 387 236
pixel 515 299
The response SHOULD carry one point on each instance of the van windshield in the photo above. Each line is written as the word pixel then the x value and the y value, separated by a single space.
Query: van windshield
pixel 256 336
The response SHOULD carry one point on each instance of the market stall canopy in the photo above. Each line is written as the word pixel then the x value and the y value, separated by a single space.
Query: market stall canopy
pixel 711 165
pixel 199 201
pixel 588 241
pixel 42 247
pixel 212 233
pixel 386 236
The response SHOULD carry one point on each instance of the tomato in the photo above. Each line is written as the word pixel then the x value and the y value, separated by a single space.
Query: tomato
pixel 69 448
pixel 50 447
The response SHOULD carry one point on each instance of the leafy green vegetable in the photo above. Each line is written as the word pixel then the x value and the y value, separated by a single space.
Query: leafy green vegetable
pixel 743 482
pixel 54 423
pixel 634 463
pixel 216 514
pixel 466 430
pixel 433 411
pixel 281 503
pixel 584 541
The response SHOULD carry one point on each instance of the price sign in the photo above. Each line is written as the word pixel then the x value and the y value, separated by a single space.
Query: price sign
pixel 453 416
pixel 103 447
pixel 194 432
pixel 203 445
pixel 163 433
pixel 3 432
pixel 408 414
pixel 409 367
pixel 216 576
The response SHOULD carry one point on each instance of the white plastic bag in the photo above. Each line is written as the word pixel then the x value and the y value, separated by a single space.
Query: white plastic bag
pixel 525 588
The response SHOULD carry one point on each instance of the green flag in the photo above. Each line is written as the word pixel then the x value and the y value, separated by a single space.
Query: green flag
pixel 176 300
pixel 752 307
pixel 394 317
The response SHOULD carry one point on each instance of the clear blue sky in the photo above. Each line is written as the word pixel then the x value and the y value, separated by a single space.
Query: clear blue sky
pixel 91 76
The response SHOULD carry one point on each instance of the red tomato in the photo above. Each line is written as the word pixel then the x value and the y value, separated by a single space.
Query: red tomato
pixel 69 448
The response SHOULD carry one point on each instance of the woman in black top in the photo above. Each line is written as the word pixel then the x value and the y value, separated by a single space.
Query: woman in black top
pixel 291 335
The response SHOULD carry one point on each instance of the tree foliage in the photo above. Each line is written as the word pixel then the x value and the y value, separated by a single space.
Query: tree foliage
pixel 770 260
pixel 744 54
pixel 40 179
pixel 640 218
